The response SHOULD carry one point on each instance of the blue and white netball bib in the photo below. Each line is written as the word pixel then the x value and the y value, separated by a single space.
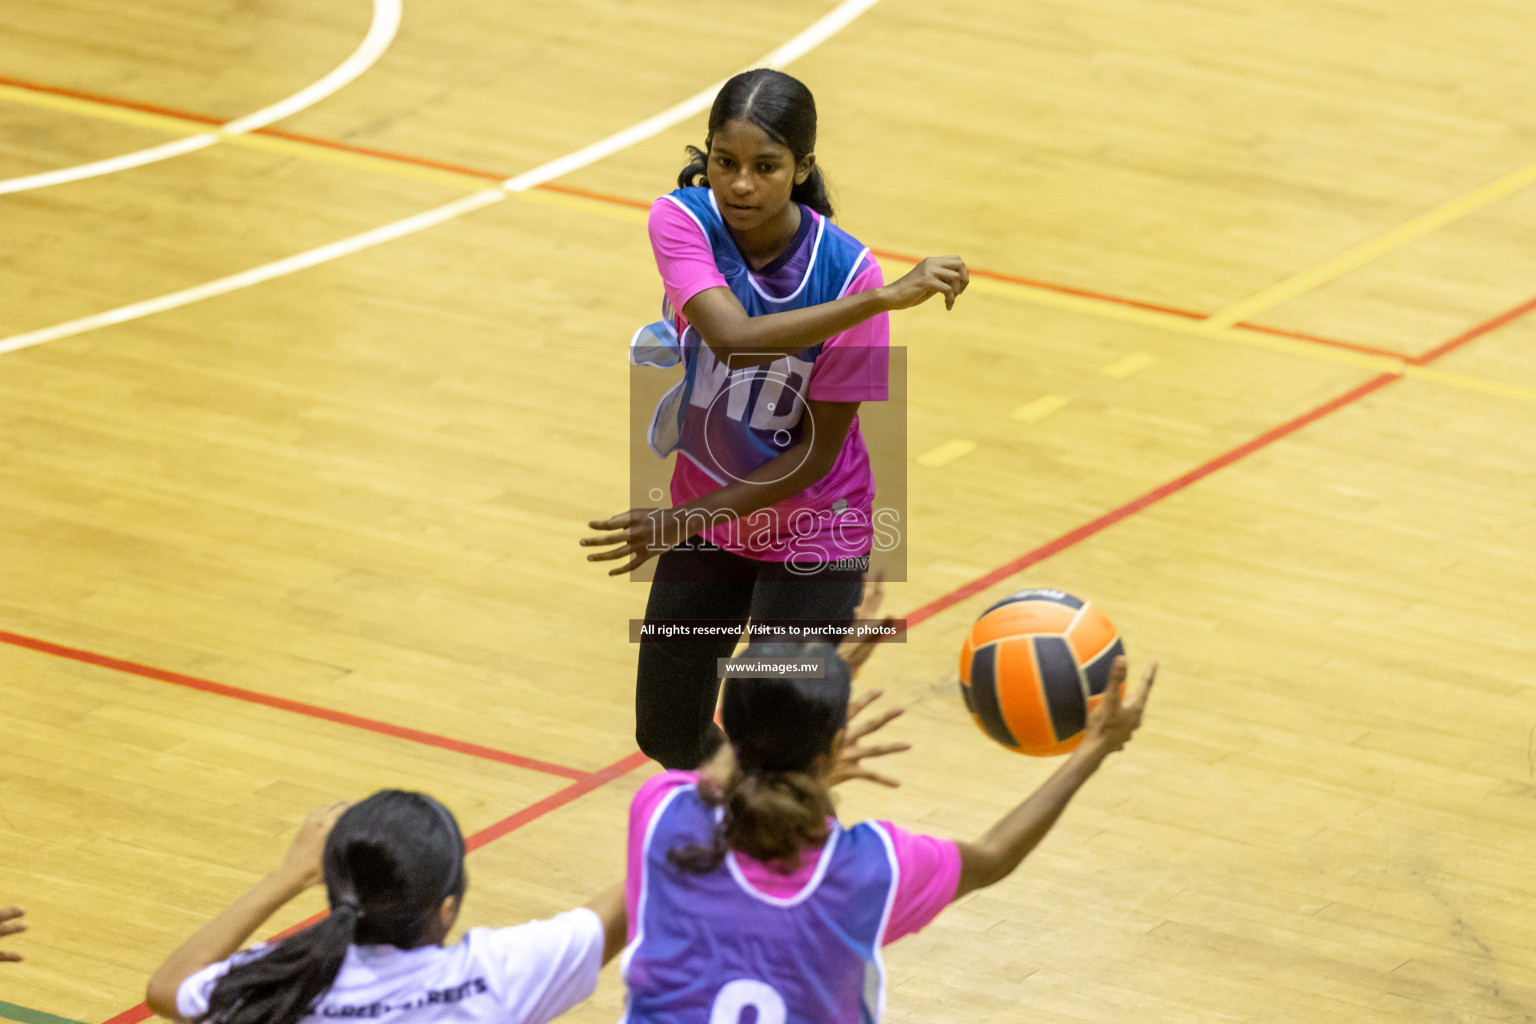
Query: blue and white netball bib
pixel 732 422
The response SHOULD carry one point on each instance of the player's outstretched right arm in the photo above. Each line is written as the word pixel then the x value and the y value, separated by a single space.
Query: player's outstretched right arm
pixel 992 857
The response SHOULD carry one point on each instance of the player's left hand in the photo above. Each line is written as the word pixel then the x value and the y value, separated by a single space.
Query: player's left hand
pixel 848 751
pixel 1111 724
pixel 304 862
pixel 642 533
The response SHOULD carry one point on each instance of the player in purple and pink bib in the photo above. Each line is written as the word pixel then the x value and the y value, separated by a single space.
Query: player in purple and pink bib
pixel 778 319
pixel 743 891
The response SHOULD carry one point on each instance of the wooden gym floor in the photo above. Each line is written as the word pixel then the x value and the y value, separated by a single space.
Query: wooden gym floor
pixel 311 370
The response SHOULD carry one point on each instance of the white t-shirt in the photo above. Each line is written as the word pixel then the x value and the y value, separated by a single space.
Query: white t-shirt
pixel 529 974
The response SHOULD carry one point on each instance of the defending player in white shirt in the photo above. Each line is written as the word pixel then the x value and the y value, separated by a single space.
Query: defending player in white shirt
pixel 393 868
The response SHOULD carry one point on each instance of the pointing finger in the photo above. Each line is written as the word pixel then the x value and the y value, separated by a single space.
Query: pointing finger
pixel 874 724
pixel 607 556
pixel 863 701
pixel 1145 689
pixel 1112 690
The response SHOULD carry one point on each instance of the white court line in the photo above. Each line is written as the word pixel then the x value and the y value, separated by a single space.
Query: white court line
pixel 381 32
pixel 811 37
pixel 829 25
pixel 256 275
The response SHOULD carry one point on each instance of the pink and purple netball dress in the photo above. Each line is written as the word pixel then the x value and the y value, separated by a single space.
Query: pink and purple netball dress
pixel 726 424
pixel 797 948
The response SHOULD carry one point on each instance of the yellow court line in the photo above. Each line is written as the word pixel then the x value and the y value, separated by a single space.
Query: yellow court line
pixel 1183 325
pixel 105 111
pixel 307 150
pixel 1204 329
pixel 946 453
pixel 1364 253
pixel 1456 380
pixel 1207 328
pixel 1133 363
pixel 1040 408
pixel 628 214
pixel 358 161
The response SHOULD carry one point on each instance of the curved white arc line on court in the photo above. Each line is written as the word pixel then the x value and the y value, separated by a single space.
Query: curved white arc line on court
pixel 381 32
pixel 111 165
pixel 817 33
pixel 807 40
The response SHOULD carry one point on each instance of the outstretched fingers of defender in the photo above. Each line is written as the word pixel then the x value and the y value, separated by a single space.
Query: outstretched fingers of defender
pixel 880 721
pixel 848 754
pixel 861 701
pixel 849 764
pixel 856 652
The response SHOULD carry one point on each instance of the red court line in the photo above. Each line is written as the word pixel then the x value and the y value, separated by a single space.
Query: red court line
pixel 597 779
pixel 1486 327
pixel 1172 487
pixel 111 101
pixel 298 707
pixel 1051 286
pixel 1152 497
pixel 485 836
pixel 603 197
pixel 1187 314
pixel 1348 346
pixel 586 782
pixel 395 158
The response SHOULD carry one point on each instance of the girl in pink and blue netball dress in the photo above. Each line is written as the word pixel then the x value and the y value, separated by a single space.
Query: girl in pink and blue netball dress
pixel 777 317
pixel 743 891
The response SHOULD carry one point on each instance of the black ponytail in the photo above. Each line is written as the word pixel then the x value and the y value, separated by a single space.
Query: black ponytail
pixel 281 984
pixel 775 805
pixel 390 862
pixel 697 171
pixel 812 192
pixel 769 816
pixel 783 108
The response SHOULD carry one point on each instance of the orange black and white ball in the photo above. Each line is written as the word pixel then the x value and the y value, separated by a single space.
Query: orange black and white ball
pixel 1033 665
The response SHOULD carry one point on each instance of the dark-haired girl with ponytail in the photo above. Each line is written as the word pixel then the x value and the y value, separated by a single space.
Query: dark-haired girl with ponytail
pixel 393 869
pixel 778 318
pixel 744 891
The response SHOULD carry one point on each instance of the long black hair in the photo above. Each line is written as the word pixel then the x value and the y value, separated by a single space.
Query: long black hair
pixel 783 108
pixel 390 862
pixel 774 804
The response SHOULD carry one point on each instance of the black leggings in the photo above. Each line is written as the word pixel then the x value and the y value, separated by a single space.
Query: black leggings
pixel 676 687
